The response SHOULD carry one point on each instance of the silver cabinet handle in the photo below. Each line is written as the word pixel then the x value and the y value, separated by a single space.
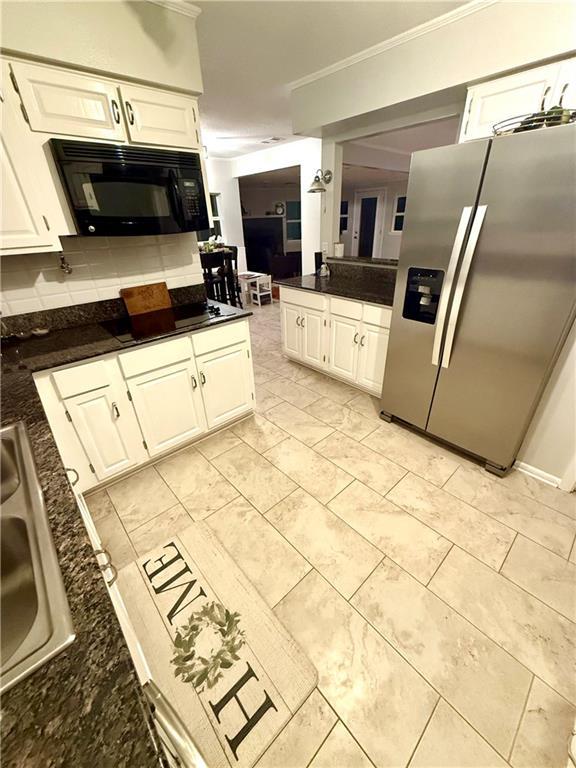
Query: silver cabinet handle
pixel 301 322
pixel 202 378
pixel 564 89
pixel 115 111
pixel 173 730
pixel 543 103
pixel 113 574
pixel 356 338
pixel 448 280
pixel 461 284
pixel 194 382
pixel 107 564
pixel 362 341
pixel 130 112
pixel 298 321
pixel 115 410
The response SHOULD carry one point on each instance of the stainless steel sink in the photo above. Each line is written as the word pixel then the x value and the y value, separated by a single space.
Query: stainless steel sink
pixel 34 613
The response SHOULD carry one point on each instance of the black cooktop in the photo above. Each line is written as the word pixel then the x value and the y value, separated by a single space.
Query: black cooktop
pixel 164 322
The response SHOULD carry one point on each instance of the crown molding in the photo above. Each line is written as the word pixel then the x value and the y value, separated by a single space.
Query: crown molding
pixel 410 34
pixel 183 7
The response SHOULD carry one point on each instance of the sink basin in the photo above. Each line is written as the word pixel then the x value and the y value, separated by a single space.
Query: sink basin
pixel 34 614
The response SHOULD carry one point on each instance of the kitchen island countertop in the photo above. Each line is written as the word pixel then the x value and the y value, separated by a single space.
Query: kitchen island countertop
pixel 362 289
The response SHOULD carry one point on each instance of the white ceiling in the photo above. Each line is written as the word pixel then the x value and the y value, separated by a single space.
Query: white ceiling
pixel 250 51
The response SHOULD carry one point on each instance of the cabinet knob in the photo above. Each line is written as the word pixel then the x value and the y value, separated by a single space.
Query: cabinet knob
pixel 91 228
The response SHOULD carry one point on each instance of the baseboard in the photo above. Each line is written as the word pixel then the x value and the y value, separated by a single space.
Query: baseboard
pixel 539 474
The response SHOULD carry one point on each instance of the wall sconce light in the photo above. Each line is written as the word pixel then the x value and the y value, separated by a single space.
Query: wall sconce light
pixel 320 180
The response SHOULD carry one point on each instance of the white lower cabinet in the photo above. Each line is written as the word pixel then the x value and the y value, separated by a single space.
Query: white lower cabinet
pixel 226 384
pixel 168 405
pixel 114 413
pixel 97 419
pixel 347 339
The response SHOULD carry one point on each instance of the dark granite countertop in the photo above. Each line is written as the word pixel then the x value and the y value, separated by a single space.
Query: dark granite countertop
pixel 84 707
pixel 361 290
pixel 364 261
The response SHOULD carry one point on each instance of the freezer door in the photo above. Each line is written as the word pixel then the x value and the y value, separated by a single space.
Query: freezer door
pixel 517 300
pixel 442 191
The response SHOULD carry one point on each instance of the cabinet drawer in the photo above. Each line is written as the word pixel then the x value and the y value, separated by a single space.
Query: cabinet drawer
pixel 308 299
pixel 346 308
pixel 377 315
pixel 155 356
pixel 80 379
pixel 219 337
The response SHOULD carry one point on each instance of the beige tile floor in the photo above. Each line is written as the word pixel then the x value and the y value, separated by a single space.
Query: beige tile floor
pixel 438 603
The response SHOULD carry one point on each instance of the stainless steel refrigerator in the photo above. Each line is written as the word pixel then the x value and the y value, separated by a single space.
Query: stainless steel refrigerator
pixel 486 289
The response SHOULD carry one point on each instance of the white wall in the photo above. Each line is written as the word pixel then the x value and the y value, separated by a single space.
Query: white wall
pixel 390 240
pixel 258 201
pixel 550 444
pixel 100 267
pixel 134 40
pixel 221 181
pixel 307 153
pixel 495 38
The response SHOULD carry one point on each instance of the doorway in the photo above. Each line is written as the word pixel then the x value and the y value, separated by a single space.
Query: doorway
pixel 367 226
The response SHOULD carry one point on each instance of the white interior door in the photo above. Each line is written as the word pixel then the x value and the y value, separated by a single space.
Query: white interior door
pixel 344 344
pixel 226 383
pixel 168 405
pixel 158 117
pixel 57 101
pixel 291 331
pixel 312 324
pixel 372 357
pixel 368 223
pixel 97 419
pixel 22 224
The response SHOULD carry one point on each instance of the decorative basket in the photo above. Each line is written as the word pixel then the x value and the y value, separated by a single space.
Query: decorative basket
pixel 547 118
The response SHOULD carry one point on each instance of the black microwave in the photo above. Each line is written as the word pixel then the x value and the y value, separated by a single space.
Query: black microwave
pixel 115 189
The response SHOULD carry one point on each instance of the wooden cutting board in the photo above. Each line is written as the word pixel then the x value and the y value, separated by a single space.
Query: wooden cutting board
pixel 146 298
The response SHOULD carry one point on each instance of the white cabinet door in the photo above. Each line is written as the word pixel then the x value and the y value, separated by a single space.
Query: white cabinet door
pixel 372 357
pixel 168 405
pixel 23 226
pixel 97 419
pixel 291 331
pixel 344 338
pixel 57 101
pixel 159 117
pixel 226 382
pixel 512 96
pixel 312 325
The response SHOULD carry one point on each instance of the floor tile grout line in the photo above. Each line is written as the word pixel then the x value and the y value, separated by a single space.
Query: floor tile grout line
pixel 440 564
pixel 292 588
pixel 428 721
pixel 507 553
pixel 378 564
pixel 324 740
pixel 521 718
pixel 572 550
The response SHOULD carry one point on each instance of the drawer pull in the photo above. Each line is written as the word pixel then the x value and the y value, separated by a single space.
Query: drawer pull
pixel 301 322
pixel 362 341
pixel 115 410
pixel 356 338
pixel 115 111
pixel 202 378
pixel 194 382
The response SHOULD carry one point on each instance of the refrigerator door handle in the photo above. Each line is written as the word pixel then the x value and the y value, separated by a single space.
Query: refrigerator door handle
pixel 447 287
pixel 461 284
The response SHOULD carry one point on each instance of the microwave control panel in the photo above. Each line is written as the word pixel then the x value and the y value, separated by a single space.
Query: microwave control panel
pixel 190 197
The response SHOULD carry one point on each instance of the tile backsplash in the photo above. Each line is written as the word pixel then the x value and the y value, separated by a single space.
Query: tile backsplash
pixel 100 267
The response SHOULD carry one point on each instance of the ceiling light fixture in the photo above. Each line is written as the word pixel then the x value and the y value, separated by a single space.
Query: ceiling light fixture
pixel 321 178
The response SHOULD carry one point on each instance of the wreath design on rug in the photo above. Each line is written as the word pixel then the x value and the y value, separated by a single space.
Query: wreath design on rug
pixel 206 645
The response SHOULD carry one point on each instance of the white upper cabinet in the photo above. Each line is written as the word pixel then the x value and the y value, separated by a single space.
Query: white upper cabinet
pixel 168 405
pixel 24 225
pixel 158 117
pixel 58 101
pixel 520 94
pixel 226 381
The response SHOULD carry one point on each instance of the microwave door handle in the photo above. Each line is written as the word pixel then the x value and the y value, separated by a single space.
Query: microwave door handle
pixel 174 194
pixel 447 287
pixel 461 284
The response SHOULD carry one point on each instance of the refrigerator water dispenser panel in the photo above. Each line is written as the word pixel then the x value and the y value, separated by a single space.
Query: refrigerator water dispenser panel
pixel 423 288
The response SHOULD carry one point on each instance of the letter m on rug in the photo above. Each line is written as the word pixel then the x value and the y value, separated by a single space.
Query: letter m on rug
pixel 173 573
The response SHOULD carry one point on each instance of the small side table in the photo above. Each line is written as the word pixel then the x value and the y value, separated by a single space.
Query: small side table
pixel 256 287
